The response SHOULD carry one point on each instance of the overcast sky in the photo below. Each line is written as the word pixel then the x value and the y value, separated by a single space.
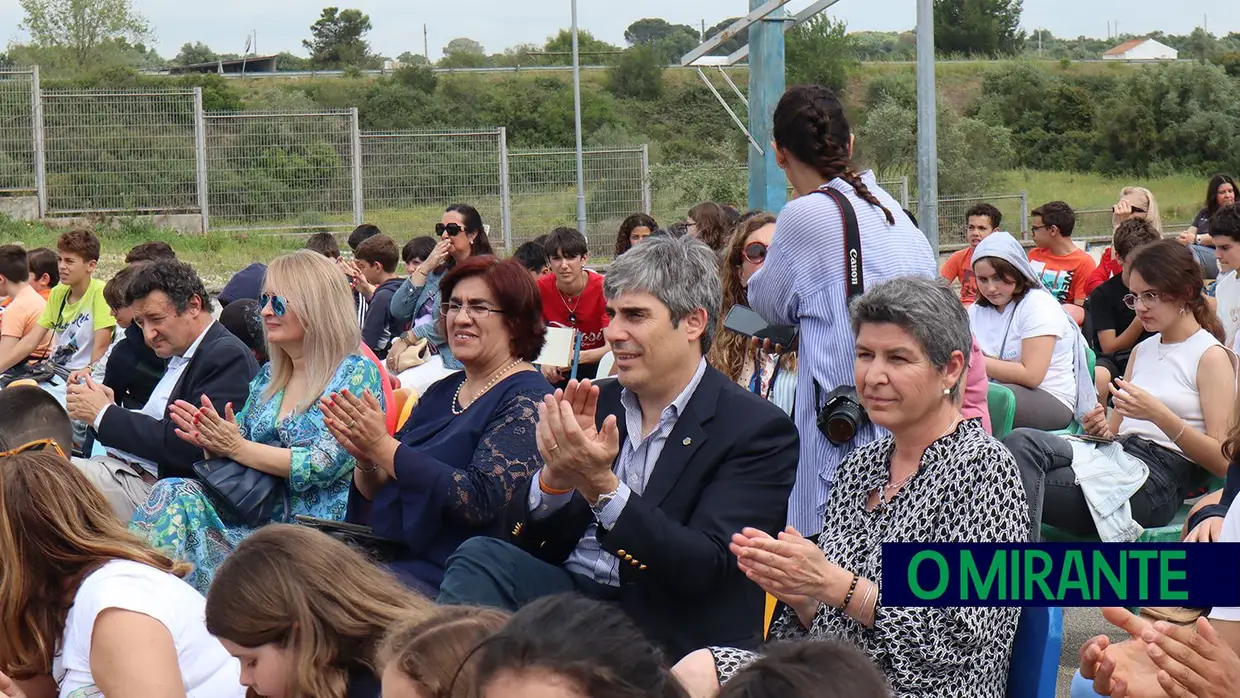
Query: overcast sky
pixel 498 24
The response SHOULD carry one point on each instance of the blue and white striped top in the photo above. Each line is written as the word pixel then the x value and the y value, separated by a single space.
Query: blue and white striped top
pixel 802 283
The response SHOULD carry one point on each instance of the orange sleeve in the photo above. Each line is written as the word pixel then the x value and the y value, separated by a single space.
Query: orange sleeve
pixel 951 268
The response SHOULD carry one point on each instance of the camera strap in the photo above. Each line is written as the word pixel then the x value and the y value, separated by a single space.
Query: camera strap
pixel 854 274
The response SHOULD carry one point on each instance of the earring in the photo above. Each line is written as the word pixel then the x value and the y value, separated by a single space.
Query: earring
pixel 947 391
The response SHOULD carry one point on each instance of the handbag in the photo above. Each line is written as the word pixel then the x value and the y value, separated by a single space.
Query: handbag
pixel 360 538
pixel 39 372
pixel 245 494
pixel 413 356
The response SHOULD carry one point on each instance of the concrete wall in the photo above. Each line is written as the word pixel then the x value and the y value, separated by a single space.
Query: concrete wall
pixel 21 208
pixel 186 223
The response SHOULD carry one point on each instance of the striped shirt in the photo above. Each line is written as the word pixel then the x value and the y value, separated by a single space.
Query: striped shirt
pixel 802 283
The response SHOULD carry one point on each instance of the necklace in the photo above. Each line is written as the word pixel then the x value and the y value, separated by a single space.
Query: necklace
pixel 572 309
pixel 456 399
pixel 895 486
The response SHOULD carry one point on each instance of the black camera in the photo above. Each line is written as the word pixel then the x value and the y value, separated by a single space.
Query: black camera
pixel 842 416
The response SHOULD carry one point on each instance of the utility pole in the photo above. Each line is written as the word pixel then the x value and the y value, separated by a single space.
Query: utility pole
pixel 581 175
pixel 927 134
pixel 426 44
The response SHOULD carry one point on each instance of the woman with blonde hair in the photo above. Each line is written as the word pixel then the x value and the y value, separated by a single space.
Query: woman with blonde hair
pixel 304 614
pixel 86 608
pixel 429 657
pixel 313 343
pixel 1138 203
pixel 769 375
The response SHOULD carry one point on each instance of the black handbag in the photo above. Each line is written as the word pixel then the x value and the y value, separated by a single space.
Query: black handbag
pixel 245 494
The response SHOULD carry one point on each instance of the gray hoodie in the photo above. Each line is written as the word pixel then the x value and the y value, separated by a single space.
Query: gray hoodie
pixel 1005 247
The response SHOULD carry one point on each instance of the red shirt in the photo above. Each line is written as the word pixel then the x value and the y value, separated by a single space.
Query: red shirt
pixel 589 309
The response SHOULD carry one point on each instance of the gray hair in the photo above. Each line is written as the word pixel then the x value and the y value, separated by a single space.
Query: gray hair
pixel 683 273
pixel 925 308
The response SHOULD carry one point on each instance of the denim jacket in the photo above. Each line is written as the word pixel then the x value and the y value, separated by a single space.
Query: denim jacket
pixel 409 299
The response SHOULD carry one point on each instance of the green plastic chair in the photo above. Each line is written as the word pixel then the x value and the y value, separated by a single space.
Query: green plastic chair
pixel 1001 402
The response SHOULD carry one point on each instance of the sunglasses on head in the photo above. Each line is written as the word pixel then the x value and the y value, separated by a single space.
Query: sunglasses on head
pixel 40 445
pixel 754 253
pixel 278 305
pixel 1132 209
pixel 452 229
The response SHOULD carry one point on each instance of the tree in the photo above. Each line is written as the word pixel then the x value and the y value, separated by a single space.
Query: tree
pixel 821 52
pixel 83 26
pixel 638 74
pixel 411 58
pixel 978 27
pixel 594 51
pixel 731 45
pixel 670 41
pixel 463 52
pixel 338 39
pixel 196 52
pixel 464 45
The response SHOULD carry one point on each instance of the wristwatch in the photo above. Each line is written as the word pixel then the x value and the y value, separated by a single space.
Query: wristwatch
pixel 601 502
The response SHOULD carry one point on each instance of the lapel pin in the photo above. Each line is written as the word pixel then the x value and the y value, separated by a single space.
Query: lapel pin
pixel 687 441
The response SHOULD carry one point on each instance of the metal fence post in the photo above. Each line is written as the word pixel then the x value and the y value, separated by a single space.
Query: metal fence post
pixel 505 193
pixel 1024 212
pixel 200 153
pixel 40 151
pixel 904 191
pixel 359 210
pixel 647 205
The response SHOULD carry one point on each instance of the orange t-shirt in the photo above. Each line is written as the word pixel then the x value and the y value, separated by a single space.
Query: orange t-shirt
pixel 21 317
pixel 959 267
pixel 1065 277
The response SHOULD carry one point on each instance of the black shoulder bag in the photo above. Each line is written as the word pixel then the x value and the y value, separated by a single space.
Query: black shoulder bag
pixel 243 493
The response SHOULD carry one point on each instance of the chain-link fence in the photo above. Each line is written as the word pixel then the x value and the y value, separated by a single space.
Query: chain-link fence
pixel 120 152
pixel 408 177
pixel 543 187
pixel 953 221
pixel 283 171
pixel 17 149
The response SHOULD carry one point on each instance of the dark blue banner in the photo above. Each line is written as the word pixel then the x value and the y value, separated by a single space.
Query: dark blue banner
pixel 1061 574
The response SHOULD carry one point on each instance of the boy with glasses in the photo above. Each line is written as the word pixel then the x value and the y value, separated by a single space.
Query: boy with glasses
pixel 1063 267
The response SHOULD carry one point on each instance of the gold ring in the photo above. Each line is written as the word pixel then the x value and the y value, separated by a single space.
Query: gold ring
pixel 553 447
pixel 351 425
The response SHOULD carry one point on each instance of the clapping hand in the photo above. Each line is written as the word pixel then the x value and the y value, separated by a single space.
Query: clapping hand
pixel 788 565
pixel 358 423
pixel 1124 669
pixel 85 400
pixel 9 688
pixel 1193 662
pixel 573 449
pixel 206 429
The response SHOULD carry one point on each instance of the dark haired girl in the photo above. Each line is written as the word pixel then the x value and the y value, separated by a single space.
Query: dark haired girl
pixel 633 230
pixel 1173 409
pixel 1220 192
pixel 802 281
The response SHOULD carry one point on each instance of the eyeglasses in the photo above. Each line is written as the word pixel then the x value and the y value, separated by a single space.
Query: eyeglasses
pixel 755 253
pixel 452 229
pixel 40 445
pixel 477 312
pixel 278 305
pixel 1149 299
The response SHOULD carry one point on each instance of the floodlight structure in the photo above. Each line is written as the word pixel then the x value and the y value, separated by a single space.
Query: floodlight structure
pixel 766 24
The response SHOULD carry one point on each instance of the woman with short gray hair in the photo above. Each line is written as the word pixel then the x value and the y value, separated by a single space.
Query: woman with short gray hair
pixel 937 478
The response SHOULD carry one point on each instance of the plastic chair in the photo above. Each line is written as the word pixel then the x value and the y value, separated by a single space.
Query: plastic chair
pixel 1002 403
pixel 1034 671
pixel 606 364
pixel 404 400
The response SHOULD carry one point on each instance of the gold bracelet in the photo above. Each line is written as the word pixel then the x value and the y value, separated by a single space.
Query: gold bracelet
pixel 1183 426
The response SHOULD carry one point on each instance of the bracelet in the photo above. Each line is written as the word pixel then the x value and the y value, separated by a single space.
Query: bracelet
pixel 550 491
pixel 871 594
pixel 365 471
pixel 851 588
pixel 1183 426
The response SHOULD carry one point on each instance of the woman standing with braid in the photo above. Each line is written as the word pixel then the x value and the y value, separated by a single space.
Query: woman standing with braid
pixel 803 282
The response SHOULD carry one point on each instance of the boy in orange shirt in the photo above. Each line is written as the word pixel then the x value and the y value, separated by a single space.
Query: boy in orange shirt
pixel 982 220
pixel 21 316
pixel 1064 267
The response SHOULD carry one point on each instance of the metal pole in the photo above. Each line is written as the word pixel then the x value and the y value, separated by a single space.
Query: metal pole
pixel 581 174
pixel 927 135
pixel 200 153
pixel 359 211
pixel 1024 212
pixel 40 147
pixel 647 204
pixel 505 192
pixel 768 188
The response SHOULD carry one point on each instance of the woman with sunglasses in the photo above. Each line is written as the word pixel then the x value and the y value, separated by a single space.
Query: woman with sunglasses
pixel 1134 203
pixel 1173 409
pixel 313 343
pixel 461 236
pixel 772 376
pixel 88 608
pixel 469 444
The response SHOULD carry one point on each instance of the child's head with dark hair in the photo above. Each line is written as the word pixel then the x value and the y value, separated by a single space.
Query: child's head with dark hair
pixel 44 269
pixel 150 252
pixel 533 256
pixel 981 220
pixel 565 243
pixel 14 267
pixel 633 230
pixel 324 244
pixel 416 251
pixel 1050 219
pixel 1001 270
pixel 1131 234
pixel 114 295
pixel 377 257
pixel 78 253
pixel 1226 222
pixel 244 319
pixel 1171 272
pixel 572 642
pixel 819 669
pixel 29 413
pixel 360 233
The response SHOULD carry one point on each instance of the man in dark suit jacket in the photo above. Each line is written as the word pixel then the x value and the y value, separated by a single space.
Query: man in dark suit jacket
pixel 646 480
pixel 171 306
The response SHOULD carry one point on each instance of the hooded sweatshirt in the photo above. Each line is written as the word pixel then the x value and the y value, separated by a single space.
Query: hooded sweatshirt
pixel 1005 247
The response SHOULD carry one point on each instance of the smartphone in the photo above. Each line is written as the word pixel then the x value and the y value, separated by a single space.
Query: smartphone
pixel 743 320
pixel 1090 438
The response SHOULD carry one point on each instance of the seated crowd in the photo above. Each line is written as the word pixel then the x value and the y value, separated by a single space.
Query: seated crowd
pixel 385 475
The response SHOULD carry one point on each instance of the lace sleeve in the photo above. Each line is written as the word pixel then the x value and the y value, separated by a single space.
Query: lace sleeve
pixel 504 459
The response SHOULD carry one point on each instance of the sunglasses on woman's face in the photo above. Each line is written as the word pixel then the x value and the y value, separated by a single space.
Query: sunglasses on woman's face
pixel 40 445
pixel 755 253
pixel 452 229
pixel 278 305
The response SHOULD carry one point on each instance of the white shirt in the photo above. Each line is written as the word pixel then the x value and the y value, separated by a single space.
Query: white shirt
pixel 156 405
pixel 1229 534
pixel 1037 314
pixel 1227 293
pixel 207 670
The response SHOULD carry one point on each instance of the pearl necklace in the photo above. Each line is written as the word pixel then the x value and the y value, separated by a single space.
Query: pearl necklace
pixel 456 399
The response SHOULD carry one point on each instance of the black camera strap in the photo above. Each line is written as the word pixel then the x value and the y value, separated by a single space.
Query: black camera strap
pixel 854 275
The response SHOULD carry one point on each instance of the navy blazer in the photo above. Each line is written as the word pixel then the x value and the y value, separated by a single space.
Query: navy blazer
pixel 221 369
pixel 730 462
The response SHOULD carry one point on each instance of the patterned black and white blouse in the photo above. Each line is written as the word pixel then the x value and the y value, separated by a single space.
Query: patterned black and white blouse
pixel 967 489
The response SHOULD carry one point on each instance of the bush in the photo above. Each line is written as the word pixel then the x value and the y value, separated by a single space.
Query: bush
pixel 638 74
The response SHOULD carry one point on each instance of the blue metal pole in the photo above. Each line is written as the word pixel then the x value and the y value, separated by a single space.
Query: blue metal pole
pixel 767 184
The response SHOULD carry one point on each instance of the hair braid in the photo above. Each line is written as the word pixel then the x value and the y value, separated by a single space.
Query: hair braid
pixel 864 192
